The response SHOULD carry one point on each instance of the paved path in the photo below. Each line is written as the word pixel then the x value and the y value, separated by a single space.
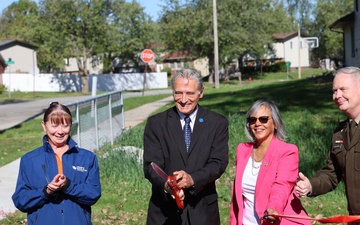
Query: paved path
pixel 14 114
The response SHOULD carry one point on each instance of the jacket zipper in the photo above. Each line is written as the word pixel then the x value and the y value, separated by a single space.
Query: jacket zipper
pixel 45 174
pixel 87 221
pixel 36 215
pixel 62 216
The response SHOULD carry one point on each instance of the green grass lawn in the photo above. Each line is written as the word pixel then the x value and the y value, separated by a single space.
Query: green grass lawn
pixel 309 115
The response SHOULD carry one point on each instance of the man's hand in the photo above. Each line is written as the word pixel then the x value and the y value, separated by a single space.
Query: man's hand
pixel 303 186
pixel 183 179
pixel 181 193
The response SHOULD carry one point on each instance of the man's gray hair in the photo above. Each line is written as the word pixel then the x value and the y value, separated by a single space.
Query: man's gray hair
pixel 353 71
pixel 189 74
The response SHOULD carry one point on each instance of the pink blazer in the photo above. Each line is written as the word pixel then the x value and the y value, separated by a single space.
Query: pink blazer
pixel 275 183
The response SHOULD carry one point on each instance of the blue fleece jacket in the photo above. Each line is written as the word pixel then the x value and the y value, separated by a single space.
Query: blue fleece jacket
pixel 70 207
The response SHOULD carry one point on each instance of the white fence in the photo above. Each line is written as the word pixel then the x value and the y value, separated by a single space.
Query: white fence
pixel 72 83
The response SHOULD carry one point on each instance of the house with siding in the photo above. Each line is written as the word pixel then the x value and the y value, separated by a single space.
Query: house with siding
pixel 21 53
pixel 287 47
pixel 349 26
pixel 179 60
pixel 94 65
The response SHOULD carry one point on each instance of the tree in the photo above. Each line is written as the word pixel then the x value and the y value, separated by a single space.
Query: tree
pixel 81 29
pixel 330 42
pixel 128 32
pixel 301 12
pixel 243 26
pixel 78 26
pixel 18 20
pixel 22 21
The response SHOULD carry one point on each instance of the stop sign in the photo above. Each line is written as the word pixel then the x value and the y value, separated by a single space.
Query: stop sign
pixel 147 55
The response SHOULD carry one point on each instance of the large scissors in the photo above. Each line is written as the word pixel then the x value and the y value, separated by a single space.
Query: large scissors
pixel 171 181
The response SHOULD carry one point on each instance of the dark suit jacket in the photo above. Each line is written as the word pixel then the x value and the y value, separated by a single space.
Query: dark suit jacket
pixel 206 161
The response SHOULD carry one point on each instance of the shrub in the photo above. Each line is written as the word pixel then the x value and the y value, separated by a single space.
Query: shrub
pixel 282 66
pixel 167 70
pixel 2 88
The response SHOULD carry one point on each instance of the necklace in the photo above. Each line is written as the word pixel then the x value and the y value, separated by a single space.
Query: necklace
pixel 255 168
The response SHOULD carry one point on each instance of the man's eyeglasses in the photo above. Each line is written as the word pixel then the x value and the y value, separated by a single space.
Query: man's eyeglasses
pixel 262 119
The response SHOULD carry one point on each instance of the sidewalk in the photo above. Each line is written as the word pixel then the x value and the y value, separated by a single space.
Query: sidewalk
pixel 9 172
pixel 135 116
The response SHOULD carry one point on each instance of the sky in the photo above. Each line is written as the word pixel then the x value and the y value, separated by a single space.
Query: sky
pixel 151 6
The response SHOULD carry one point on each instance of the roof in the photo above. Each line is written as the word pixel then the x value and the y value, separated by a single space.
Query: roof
pixel 343 21
pixel 177 56
pixel 283 37
pixel 10 43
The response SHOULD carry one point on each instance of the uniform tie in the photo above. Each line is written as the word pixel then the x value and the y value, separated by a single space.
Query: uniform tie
pixel 353 127
pixel 187 132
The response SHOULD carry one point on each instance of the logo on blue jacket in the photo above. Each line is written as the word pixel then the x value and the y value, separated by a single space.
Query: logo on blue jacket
pixel 79 168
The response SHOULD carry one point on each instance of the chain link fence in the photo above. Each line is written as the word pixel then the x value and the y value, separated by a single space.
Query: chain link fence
pixel 98 120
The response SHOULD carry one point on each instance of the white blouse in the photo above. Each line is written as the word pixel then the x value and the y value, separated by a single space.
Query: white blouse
pixel 250 175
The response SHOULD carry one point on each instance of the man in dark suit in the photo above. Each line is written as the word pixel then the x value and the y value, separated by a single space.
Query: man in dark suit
pixel 196 168
pixel 343 162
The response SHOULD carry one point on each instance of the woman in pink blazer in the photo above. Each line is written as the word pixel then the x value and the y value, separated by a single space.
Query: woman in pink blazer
pixel 266 171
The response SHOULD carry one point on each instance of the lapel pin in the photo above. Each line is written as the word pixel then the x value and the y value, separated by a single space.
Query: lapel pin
pixel 201 120
pixel 266 163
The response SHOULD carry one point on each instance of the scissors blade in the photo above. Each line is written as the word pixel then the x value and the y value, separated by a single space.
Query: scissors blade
pixel 159 171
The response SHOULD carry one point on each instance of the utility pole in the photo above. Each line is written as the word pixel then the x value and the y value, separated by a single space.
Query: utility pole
pixel 216 48
pixel 299 48
pixel 33 73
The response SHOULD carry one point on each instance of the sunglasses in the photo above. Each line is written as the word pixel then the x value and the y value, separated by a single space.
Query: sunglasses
pixel 262 119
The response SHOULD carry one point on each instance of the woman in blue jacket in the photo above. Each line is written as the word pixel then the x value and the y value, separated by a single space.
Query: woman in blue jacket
pixel 58 182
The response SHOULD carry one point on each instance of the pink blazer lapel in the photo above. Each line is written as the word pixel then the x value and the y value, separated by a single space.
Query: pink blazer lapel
pixel 267 161
pixel 243 156
pixel 261 195
pixel 243 153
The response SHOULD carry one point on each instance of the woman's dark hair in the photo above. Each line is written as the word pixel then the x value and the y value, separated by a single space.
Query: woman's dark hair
pixel 58 114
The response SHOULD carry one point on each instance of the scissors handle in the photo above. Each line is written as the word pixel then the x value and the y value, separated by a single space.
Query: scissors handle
pixel 175 190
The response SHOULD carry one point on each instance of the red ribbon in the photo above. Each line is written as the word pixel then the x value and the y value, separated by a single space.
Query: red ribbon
pixel 334 219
